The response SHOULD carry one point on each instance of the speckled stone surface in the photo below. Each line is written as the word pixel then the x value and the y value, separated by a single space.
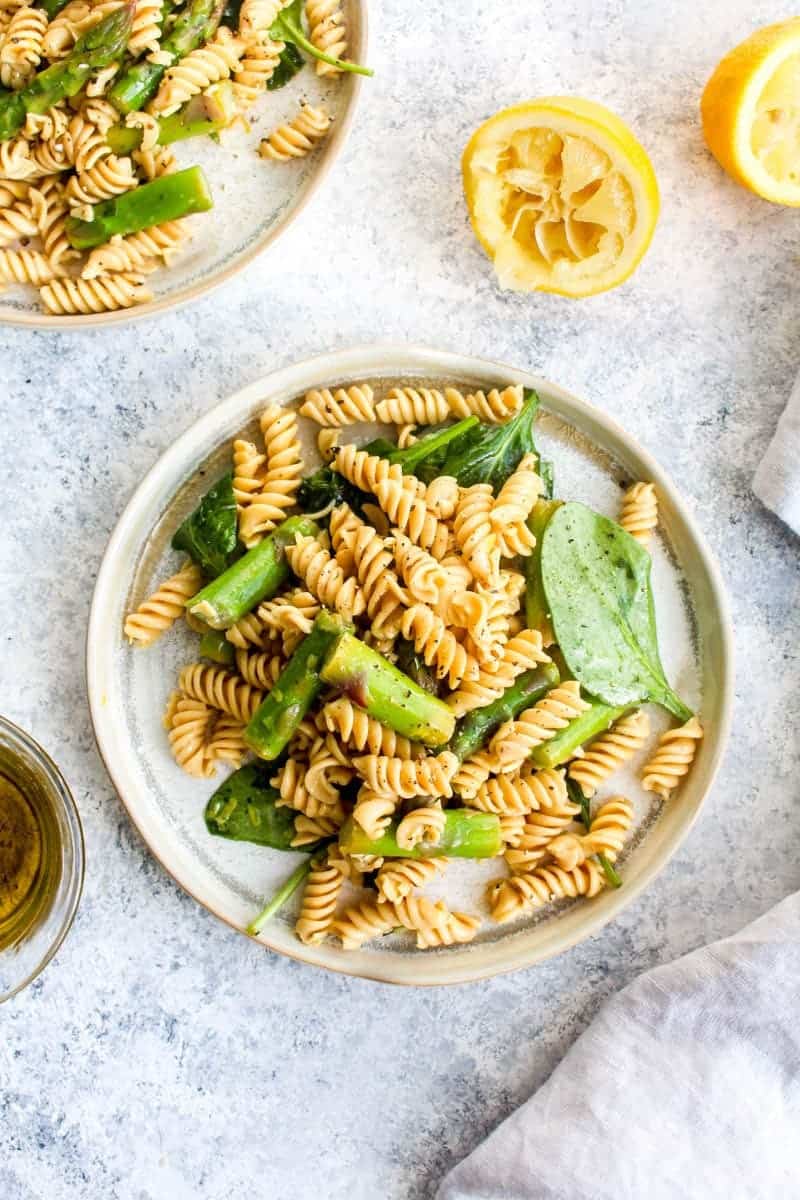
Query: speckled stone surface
pixel 162 1058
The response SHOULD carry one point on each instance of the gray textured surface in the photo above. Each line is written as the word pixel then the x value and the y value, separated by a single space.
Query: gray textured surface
pixel 161 1057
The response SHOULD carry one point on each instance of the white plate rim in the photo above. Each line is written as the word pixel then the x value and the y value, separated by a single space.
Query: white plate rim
pixel 506 954
pixel 328 154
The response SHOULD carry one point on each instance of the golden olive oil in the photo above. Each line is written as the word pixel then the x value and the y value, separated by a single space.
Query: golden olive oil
pixel 30 852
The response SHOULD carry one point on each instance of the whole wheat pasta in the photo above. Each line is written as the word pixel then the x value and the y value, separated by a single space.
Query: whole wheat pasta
pixel 511 898
pixel 385 599
pixel 410 514
pixel 607 834
pixel 295 138
pixel 423 575
pixel 257 66
pixel 189 720
pixel 523 792
pixel 399 878
pixel 281 479
pixel 438 646
pixel 374 810
pixel 407 778
pixel 221 689
pixel 521 653
pixel 248 471
pixel 138 251
pixel 326 29
pixel 225 742
pixel 514 740
pixel 495 407
pixel 639 516
pixel 362 732
pixel 104 294
pixel 318 906
pixel 325 578
pixel 540 830
pixel 673 757
pixel 21 47
pixel 473 530
pixel 608 752
pixel 309 830
pixel 339 407
pixel 441 496
pixel 208 64
pixel 158 612
pixel 421 826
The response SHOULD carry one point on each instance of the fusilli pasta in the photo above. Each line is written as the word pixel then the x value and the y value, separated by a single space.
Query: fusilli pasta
pixel 158 612
pixel 673 757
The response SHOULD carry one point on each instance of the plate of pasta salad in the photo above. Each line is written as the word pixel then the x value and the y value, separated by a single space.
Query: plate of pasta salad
pixel 409 665
pixel 149 149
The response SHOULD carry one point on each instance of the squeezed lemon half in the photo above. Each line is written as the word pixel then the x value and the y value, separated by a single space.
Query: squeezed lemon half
pixel 561 196
pixel 751 112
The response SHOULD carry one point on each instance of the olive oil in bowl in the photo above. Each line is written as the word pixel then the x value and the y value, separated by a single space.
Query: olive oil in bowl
pixel 41 859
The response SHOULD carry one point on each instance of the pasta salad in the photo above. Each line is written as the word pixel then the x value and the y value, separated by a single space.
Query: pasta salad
pixel 94 95
pixel 414 654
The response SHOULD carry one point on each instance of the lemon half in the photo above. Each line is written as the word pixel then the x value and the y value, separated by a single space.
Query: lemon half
pixel 751 112
pixel 561 196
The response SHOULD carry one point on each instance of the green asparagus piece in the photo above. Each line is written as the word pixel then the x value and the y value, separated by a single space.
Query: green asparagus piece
pixel 215 645
pixel 195 25
pixel 193 120
pixel 167 198
pixel 284 892
pixel 98 48
pixel 372 682
pixel 537 612
pixel 479 725
pixel 53 7
pixel 580 730
pixel 256 576
pixel 295 690
pixel 466 834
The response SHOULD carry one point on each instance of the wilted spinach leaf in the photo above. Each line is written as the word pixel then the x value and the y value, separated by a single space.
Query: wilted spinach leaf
pixel 596 578
pixel 290 62
pixel 489 453
pixel 244 809
pixel 208 535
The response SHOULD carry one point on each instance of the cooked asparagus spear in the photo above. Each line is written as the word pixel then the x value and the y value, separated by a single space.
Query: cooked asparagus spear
pixel 537 612
pixel 167 198
pixel 581 729
pixel 195 25
pixel 53 7
pixel 215 112
pixel 296 689
pixel 98 48
pixel 284 893
pixel 370 681
pixel 466 834
pixel 215 645
pixel 479 725
pixel 256 576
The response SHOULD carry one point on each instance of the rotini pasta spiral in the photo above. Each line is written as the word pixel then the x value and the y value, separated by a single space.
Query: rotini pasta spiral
pixel 374 811
pixel 512 507
pixel 249 631
pixel 410 514
pixel 607 833
pixel 146 27
pixel 17 220
pixel 362 922
pixel 226 741
pixel 473 530
pixel 292 783
pixel 422 574
pixel 308 830
pixel 16 162
pixel 297 137
pixel 195 72
pixel 282 478
pixel 384 596
pixel 111 176
pixel 607 753
pixel 541 828
pixel 318 906
pixel 512 828
pixel 257 66
pixel 344 406
pixel 523 792
pixel 441 496
pixel 421 826
pixel 362 732
pixel 496 407
pixel 326 29
pixel 343 527
pixel 511 898
pixel 363 470
pixel 473 772
pixel 639 516
pixel 521 653
pixel 328 444
pixel 325 578
pixel 437 645
pixel 221 689
pixel 407 778
pixel 47 125
pixel 189 720
pixel 109 292
pixel 429 919
pixel 326 774
pixel 248 471
pixel 257 16
pixel 460 928
pixel 25 266
pixel 413 406
pixel 295 610
pixel 514 740
pixel 21 47
pixel 673 758
pixel 397 879
pixel 158 612
pixel 137 252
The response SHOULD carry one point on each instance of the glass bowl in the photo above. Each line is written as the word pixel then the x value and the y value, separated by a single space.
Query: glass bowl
pixel 32 934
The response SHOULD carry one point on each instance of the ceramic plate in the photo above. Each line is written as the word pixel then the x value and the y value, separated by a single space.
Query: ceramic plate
pixel 128 688
pixel 254 201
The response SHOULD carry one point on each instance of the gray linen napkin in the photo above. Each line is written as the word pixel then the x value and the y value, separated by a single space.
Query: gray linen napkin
pixel 777 480
pixel 686 1084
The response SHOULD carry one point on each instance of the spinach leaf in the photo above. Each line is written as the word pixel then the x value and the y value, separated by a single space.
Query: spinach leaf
pixel 490 453
pixel 288 28
pixel 244 809
pixel 324 487
pixel 596 578
pixel 290 62
pixel 230 14
pixel 424 457
pixel 208 535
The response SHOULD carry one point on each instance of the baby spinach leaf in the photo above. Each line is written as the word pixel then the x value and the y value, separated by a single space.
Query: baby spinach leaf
pixel 490 453
pixel 324 487
pixel 596 578
pixel 288 28
pixel 244 809
pixel 290 62
pixel 208 535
